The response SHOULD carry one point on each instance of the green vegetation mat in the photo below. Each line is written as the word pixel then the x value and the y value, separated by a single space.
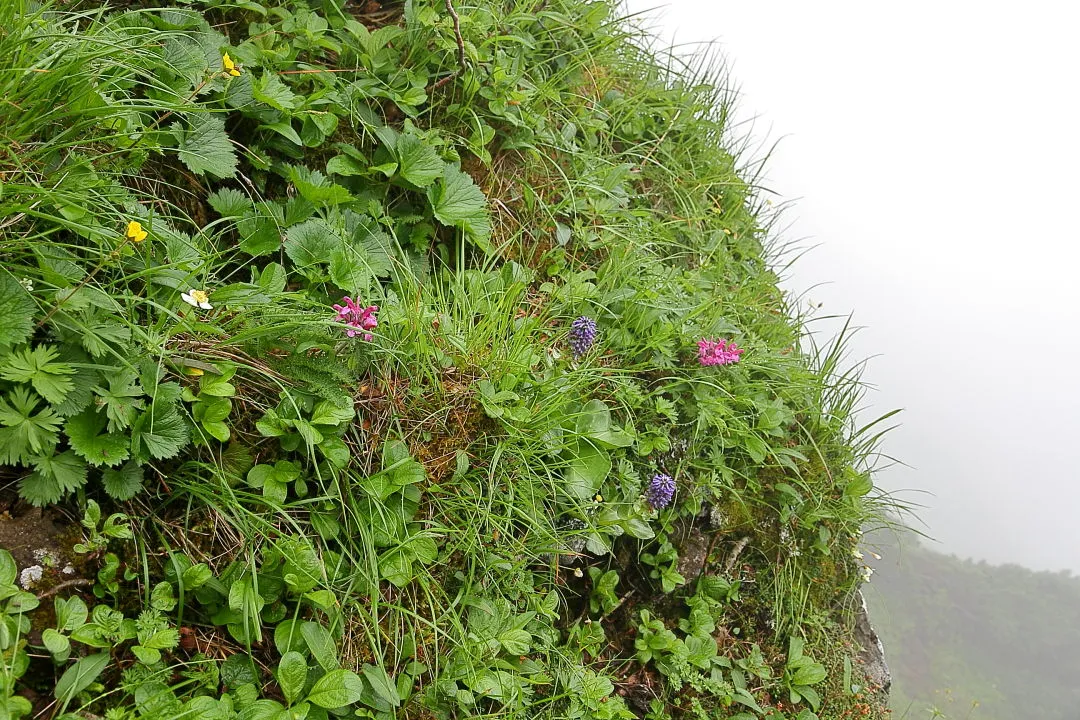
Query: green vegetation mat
pixel 416 360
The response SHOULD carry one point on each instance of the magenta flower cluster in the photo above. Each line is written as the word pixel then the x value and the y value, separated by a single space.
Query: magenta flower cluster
pixel 359 320
pixel 718 352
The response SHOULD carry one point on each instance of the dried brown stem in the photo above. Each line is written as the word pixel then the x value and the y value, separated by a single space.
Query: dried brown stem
pixel 460 47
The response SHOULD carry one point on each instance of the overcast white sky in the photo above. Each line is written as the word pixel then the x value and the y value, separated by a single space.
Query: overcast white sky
pixel 934 149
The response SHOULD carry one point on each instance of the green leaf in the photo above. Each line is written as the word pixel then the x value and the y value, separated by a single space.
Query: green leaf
pixel 54 477
pixel 71 613
pixel 8 569
pixel 205 147
pixel 162 598
pixel 418 162
pixel 79 676
pixel 285 129
pixel 196 576
pixel 314 187
pixel 160 432
pixel 85 435
pixel 39 368
pixel 457 201
pixel 333 413
pixel 292 675
pixel 810 674
pixel 587 470
pixel 25 433
pixel 336 689
pixel 396 568
pixel 125 483
pixel 311 242
pixel 858 486
pixel 238 669
pixel 122 399
pixel 259 229
pixel 16 311
pixel 345 166
pixel 320 644
pixel 303 569
pixel 381 683
pixel 515 642
pixel 57 644
pixel 229 202
pixel 271 90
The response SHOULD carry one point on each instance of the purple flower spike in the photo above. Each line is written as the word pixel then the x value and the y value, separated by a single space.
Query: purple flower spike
pixel 359 319
pixel 661 491
pixel 718 352
pixel 582 335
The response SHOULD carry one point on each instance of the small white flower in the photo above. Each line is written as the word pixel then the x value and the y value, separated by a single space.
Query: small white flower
pixel 30 575
pixel 867 572
pixel 856 554
pixel 197 298
pixel 27 283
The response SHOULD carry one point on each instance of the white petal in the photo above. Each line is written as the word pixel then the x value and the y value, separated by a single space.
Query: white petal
pixel 206 306
pixel 189 300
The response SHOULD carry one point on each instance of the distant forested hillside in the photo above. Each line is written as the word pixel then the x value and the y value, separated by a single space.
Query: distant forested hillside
pixel 975 640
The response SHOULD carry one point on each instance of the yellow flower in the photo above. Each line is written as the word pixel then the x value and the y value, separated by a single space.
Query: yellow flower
pixel 197 298
pixel 230 67
pixel 134 232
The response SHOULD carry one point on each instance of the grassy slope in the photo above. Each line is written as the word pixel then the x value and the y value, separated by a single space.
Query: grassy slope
pixel 454 510
pixel 959 632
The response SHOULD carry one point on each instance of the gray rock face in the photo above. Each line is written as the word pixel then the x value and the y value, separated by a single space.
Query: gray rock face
pixel 872 654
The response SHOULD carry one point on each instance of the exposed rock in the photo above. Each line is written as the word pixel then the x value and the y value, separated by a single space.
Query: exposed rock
pixel 872 653
pixel 693 546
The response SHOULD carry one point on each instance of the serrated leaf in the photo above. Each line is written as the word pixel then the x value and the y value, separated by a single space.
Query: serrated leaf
pixel 160 432
pixel 317 188
pixel 88 438
pixel 205 147
pixel 418 162
pixel 229 202
pixel 25 432
pixel 122 399
pixel 39 368
pixel 16 311
pixel 260 229
pixel 98 333
pixel 54 477
pixel 271 90
pixel 311 242
pixel 125 483
pixel 457 201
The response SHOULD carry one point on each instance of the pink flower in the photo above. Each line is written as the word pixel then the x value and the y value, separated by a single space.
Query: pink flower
pixel 357 318
pixel 718 352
